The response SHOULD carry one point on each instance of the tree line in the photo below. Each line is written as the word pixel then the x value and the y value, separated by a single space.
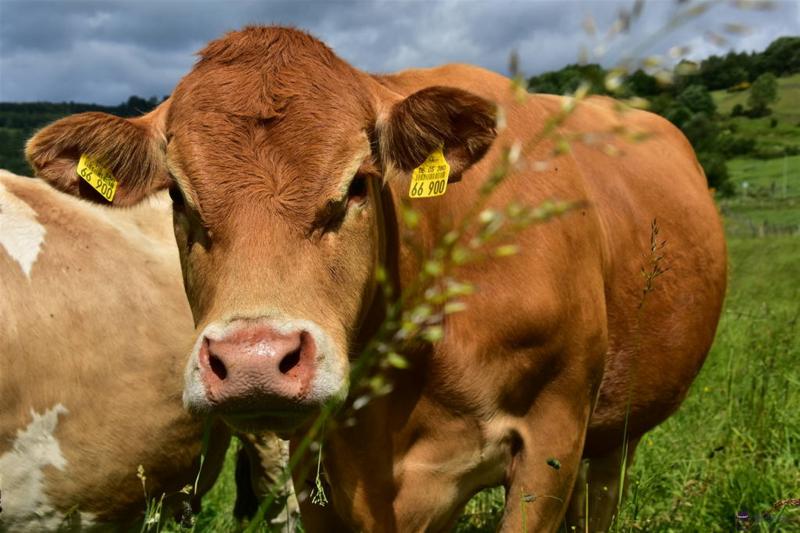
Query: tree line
pixel 19 121
pixel 687 101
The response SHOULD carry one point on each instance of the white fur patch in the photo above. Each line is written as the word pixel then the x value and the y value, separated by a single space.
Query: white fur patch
pixel 20 233
pixel 25 505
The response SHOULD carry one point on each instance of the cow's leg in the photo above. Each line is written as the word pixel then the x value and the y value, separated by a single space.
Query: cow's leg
pixel 262 460
pixel 218 441
pixel 603 482
pixel 246 500
pixel 547 463
pixel 576 509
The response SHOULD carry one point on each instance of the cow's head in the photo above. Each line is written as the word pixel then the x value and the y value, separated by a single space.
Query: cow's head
pixel 275 153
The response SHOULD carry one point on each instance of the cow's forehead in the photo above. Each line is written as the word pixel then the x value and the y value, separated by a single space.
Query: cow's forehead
pixel 229 161
pixel 317 97
pixel 260 72
pixel 269 115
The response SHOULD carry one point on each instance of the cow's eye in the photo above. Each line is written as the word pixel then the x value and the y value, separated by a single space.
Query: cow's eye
pixel 357 192
pixel 176 195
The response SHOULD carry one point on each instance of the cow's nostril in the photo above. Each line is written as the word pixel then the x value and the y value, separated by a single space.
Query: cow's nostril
pixel 290 361
pixel 217 367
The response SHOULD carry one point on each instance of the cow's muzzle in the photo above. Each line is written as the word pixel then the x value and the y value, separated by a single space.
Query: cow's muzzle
pixel 261 373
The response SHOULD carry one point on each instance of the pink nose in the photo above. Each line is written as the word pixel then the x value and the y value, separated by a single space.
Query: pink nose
pixel 256 368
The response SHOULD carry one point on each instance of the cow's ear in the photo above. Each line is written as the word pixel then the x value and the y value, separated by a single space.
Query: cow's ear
pixel 464 123
pixel 132 149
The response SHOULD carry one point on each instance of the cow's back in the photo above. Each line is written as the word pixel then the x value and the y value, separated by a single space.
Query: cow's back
pixel 93 334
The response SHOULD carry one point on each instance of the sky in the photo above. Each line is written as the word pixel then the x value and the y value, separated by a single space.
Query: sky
pixel 103 51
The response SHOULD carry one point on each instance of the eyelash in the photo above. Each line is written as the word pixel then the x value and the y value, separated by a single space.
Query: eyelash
pixel 176 195
pixel 336 212
pixel 358 189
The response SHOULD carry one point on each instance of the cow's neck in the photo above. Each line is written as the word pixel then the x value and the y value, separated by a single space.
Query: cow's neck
pixel 366 460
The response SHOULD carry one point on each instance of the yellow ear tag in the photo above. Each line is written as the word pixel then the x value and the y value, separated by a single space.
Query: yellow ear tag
pixel 98 176
pixel 430 178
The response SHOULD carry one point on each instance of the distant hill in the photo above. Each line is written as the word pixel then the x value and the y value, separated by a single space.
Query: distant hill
pixel 787 108
pixel 774 135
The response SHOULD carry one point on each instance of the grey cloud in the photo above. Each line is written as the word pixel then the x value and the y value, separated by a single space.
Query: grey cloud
pixel 104 51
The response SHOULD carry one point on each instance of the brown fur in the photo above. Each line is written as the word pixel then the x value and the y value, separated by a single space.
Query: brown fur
pixel 556 343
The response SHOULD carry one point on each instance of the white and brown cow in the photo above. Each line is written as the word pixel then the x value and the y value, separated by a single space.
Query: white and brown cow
pixel 94 327
pixel 286 166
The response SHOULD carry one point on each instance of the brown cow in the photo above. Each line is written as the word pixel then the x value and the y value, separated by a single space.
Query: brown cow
pixel 286 165
pixel 94 331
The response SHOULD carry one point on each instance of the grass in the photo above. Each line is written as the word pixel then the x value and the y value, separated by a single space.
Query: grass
pixel 785 131
pixel 735 444
pixel 768 199
pixel 773 177
pixel 756 217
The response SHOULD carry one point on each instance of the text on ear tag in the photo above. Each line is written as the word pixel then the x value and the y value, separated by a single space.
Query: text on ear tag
pixel 99 177
pixel 430 178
